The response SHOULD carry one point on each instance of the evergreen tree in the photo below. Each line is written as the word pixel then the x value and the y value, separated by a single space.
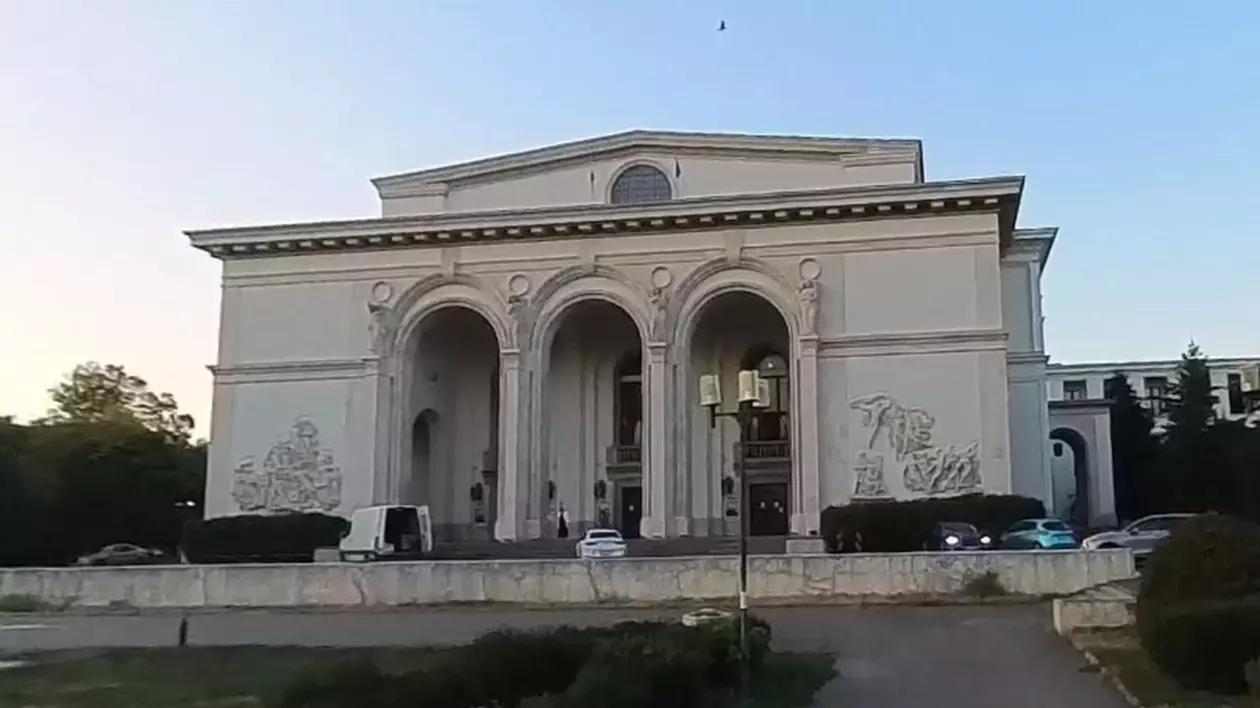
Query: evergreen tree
pixel 1134 452
pixel 1192 464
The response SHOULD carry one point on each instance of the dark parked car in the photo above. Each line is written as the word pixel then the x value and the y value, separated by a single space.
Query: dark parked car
pixel 958 536
pixel 121 554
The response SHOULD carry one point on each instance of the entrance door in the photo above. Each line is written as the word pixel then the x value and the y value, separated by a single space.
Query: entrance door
pixel 631 511
pixel 768 507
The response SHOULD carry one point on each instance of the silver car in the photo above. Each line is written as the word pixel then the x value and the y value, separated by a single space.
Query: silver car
pixel 1141 535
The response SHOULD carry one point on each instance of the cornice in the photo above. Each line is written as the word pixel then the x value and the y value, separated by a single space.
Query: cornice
pixel 990 195
pixel 306 369
pixel 1155 366
pixel 1035 241
pixel 905 343
pixel 648 140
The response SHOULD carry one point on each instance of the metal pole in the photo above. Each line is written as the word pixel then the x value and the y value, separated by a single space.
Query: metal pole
pixel 745 408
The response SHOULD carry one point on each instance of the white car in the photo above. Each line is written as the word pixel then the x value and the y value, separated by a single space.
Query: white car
pixel 602 543
pixel 1141 535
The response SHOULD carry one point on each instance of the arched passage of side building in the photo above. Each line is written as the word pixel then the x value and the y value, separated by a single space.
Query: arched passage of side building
pixel 1069 468
pixel 1081 484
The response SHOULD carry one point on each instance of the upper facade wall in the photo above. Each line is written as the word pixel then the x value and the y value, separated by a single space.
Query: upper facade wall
pixel 714 170
pixel 933 276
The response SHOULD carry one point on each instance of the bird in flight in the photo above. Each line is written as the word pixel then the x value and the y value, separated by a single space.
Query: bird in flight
pixel 722 26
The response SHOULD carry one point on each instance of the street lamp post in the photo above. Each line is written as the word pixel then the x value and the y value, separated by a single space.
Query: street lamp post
pixel 753 393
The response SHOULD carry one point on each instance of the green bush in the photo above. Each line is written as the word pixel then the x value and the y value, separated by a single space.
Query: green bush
pixel 628 665
pixel 1198 608
pixel 279 538
pixel 899 526
pixel 1204 645
pixel 1208 557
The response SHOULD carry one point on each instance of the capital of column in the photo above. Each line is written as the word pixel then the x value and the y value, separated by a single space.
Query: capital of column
pixel 510 358
pixel 657 351
pixel 809 345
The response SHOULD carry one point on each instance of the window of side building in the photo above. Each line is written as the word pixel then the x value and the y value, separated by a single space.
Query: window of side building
pixel 1075 390
pixel 1236 404
pixel 1156 388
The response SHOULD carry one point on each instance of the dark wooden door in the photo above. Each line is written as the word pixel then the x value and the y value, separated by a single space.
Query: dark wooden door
pixel 768 509
pixel 631 511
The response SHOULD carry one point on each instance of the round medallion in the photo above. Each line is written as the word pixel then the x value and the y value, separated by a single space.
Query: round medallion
pixel 382 292
pixel 810 269
pixel 518 285
pixel 661 277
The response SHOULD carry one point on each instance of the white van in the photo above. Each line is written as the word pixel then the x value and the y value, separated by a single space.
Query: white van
pixel 382 531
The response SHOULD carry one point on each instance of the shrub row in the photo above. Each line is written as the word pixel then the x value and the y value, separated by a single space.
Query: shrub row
pixel 280 538
pixel 1198 610
pixel 629 665
pixel 900 526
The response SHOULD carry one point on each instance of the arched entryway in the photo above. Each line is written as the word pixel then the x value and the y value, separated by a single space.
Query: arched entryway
pixel 1069 466
pixel 733 331
pixel 592 420
pixel 450 409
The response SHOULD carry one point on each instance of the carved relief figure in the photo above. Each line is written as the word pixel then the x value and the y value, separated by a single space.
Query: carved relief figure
pixel 809 306
pixel 516 307
pixel 381 325
pixel 928 469
pixel 868 475
pixel 659 302
pixel 297 475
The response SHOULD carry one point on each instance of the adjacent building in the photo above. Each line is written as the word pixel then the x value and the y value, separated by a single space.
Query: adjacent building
pixel 521 336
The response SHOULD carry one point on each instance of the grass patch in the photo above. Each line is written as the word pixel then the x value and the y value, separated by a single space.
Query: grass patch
pixel 790 679
pixel 240 677
pixel 251 677
pixel 1119 652
pixel 983 585
pixel 23 603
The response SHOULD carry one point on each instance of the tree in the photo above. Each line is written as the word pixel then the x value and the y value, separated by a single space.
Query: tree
pixel 1191 400
pixel 1134 451
pixel 107 393
pixel 1197 474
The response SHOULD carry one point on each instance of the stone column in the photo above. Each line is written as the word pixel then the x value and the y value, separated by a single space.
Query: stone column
pixel 807 490
pixel 507 516
pixel 655 471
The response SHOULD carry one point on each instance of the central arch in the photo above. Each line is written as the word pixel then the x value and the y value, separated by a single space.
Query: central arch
pixel 585 330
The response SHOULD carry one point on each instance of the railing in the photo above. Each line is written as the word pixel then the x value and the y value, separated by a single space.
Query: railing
pixel 625 455
pixel 766 450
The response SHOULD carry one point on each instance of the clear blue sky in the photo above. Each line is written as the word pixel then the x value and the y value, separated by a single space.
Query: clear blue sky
pixel 124 122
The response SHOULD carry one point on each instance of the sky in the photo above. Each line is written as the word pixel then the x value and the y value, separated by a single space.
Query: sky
pixel 125 122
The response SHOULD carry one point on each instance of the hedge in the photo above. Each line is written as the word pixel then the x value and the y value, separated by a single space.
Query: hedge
pixel 629 665
pixel 1204 645
pixel 1198 607
pixel 280 538
pixel 900 526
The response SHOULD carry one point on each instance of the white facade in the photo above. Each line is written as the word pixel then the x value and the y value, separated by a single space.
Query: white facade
pixel 526 333
pixel 1150 381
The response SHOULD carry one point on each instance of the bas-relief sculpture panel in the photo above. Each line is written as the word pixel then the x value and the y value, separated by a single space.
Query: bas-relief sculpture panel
pixel 297 475
pixel 902 435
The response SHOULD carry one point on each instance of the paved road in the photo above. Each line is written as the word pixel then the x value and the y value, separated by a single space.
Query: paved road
pixel 945 657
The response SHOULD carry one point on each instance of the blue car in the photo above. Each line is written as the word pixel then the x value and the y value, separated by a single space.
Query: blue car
pixel 1038 534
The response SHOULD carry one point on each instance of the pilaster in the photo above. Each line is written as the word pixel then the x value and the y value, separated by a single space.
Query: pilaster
pixel 656 472
pixel 807 491
pixel 375 432
pixel 507 525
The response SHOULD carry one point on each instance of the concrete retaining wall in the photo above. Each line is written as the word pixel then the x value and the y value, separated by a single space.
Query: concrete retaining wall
pixel 563 581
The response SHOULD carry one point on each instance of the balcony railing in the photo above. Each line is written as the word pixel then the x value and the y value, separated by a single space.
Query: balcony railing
pixel 625 455
pixel 766 451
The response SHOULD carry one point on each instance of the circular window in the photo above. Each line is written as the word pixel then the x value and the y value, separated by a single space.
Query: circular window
pixel 641 184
